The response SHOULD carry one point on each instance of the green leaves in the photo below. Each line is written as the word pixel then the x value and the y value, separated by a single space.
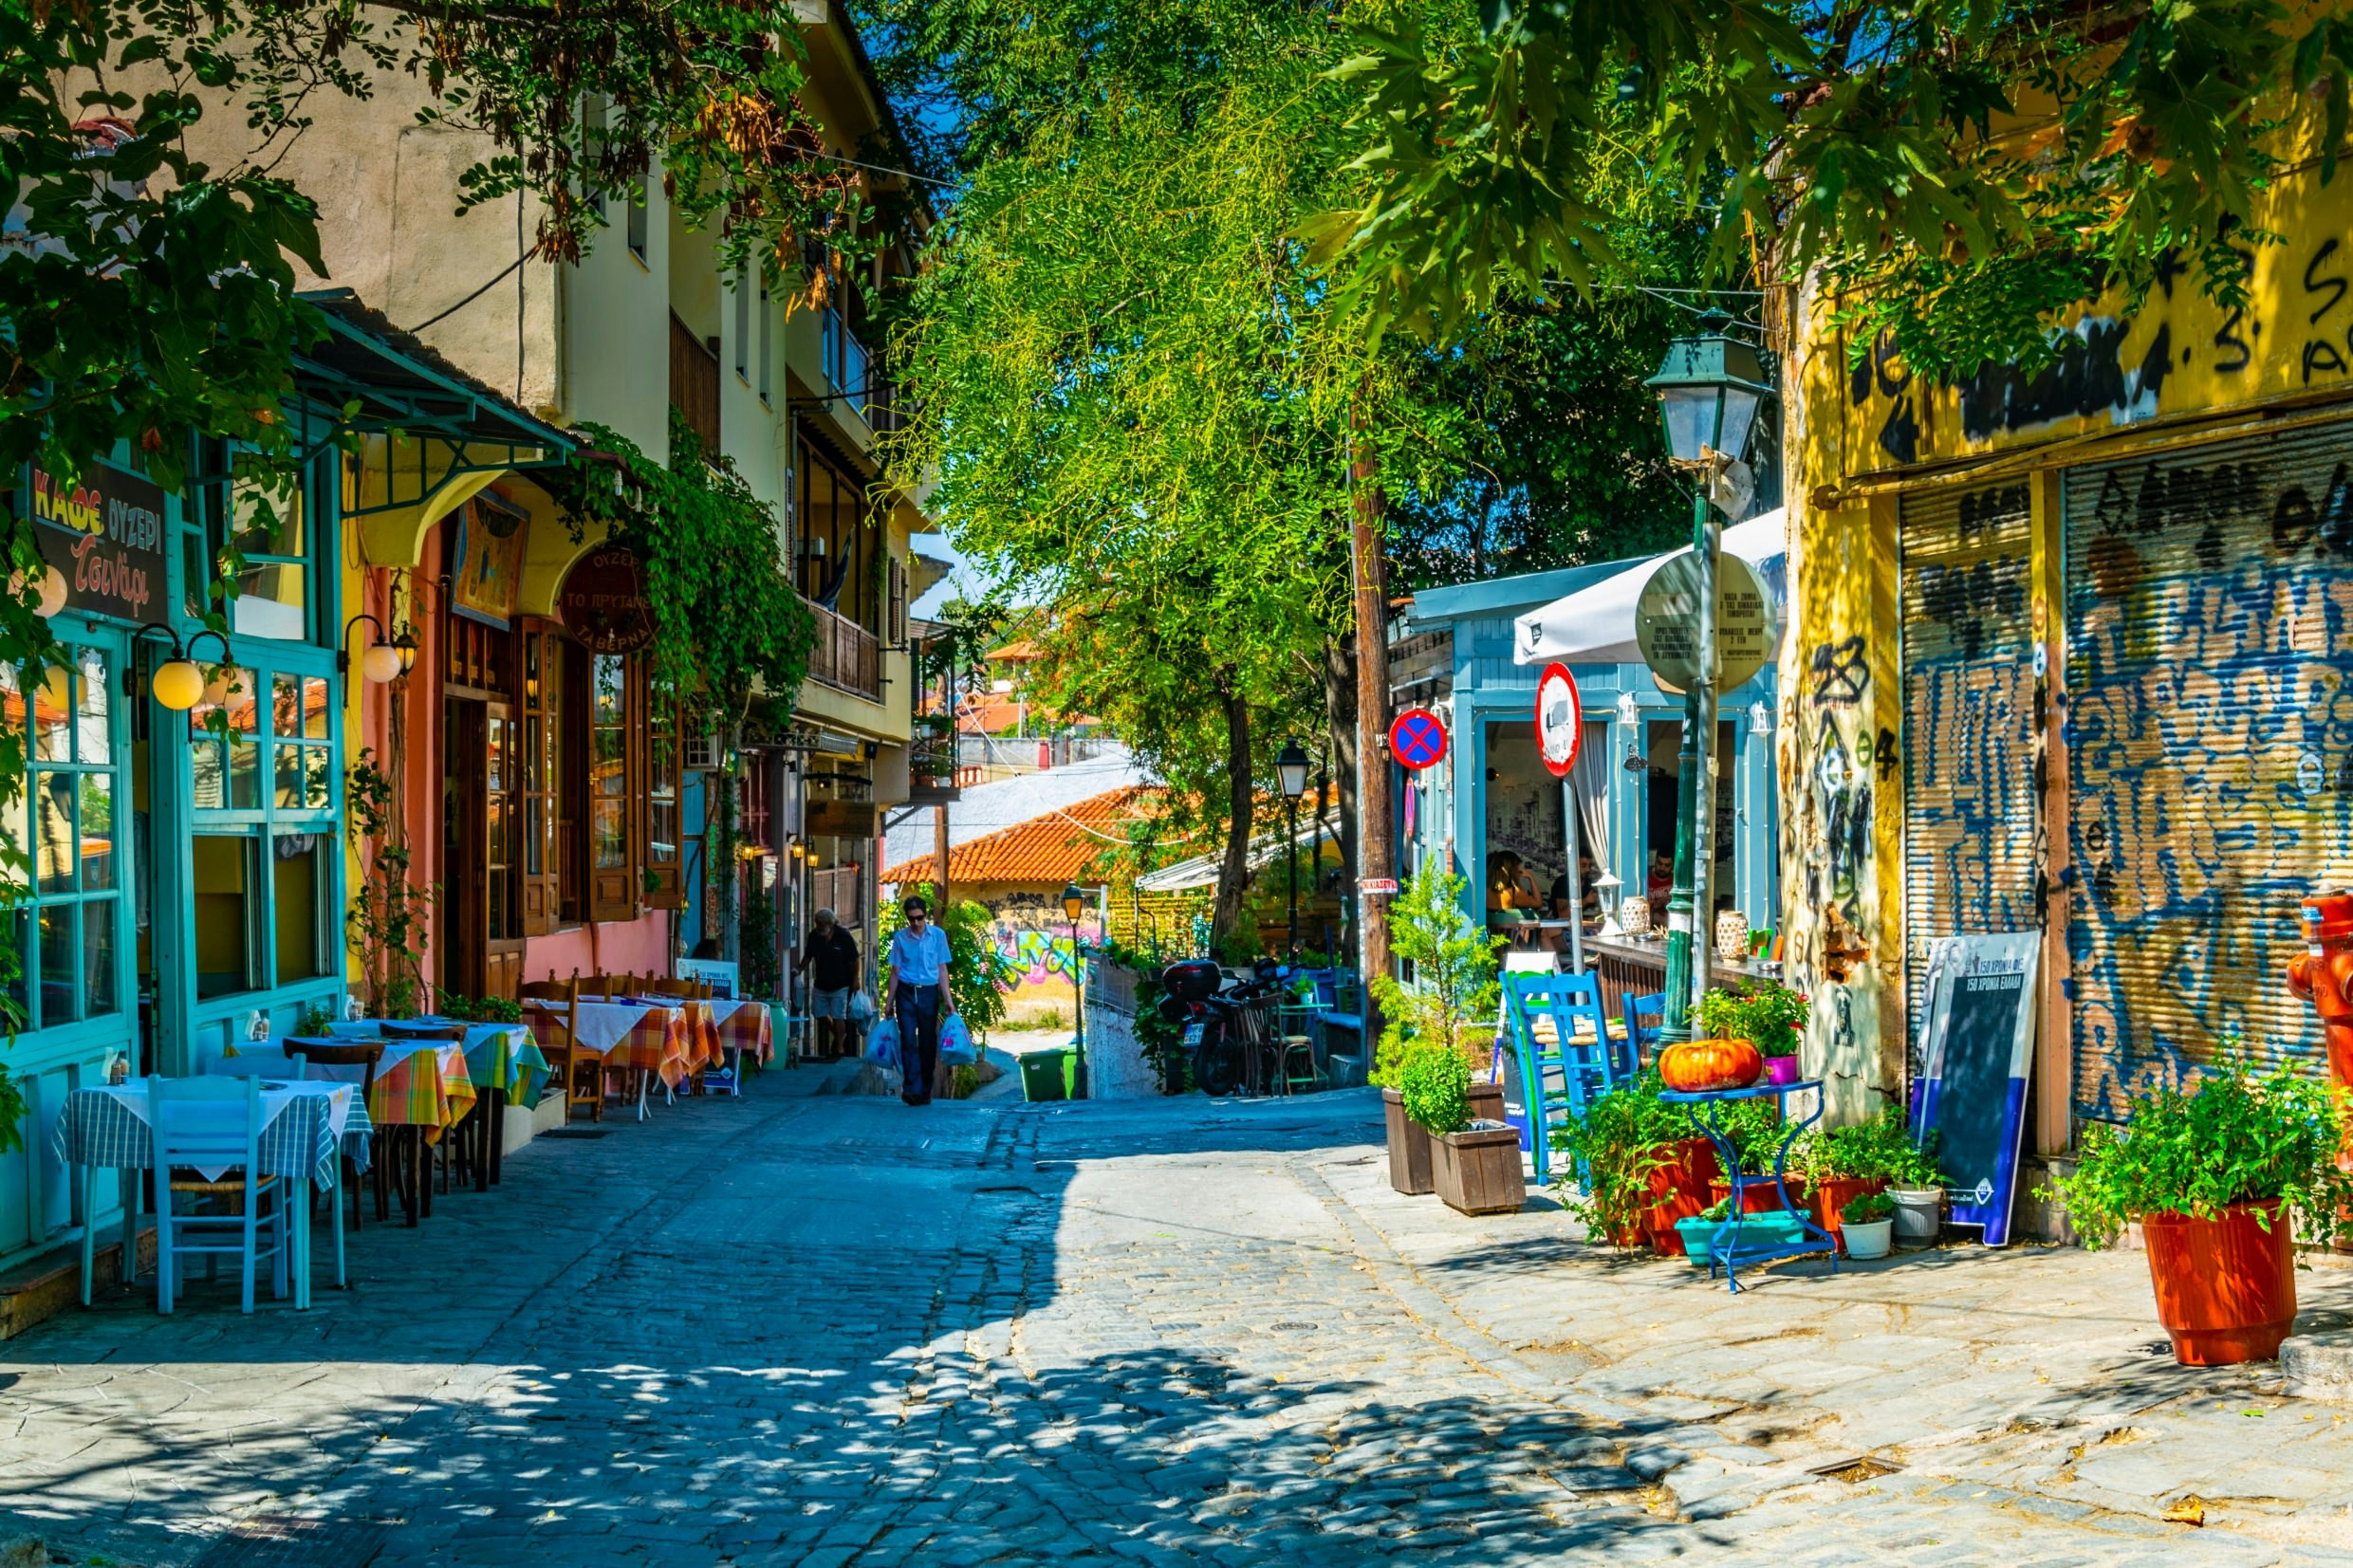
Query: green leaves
pixel 2241 1136
pixel 1454 964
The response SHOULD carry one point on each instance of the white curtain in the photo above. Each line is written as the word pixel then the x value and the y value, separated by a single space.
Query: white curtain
pixel 1590 780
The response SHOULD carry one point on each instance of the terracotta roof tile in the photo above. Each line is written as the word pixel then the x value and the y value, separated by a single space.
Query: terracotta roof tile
pixel 1051 849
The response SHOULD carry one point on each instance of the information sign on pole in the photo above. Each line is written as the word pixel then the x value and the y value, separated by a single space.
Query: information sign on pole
pixel 1667 629
pixel 1560 720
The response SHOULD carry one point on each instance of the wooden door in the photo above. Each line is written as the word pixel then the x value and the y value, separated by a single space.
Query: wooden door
pixel 464 937
pixel 502 777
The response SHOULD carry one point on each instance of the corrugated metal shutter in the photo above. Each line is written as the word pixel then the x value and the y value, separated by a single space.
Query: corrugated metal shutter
pixel 2208 608
pixel 1971 806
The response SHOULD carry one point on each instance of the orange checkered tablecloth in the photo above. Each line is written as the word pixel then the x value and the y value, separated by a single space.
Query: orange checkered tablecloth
pixel 745 1028
pixel 425 1084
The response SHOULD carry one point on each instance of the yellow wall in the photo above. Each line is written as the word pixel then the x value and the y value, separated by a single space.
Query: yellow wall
pixel 1862 432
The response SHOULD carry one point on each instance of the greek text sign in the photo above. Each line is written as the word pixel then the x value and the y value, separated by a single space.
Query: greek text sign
pixel 602 601
pixel 106 533
pixel 1667 626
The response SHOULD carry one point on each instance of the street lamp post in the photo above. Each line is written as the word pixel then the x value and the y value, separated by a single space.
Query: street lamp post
pixel 1291 768
pixel 1074 905
pixel 1710 389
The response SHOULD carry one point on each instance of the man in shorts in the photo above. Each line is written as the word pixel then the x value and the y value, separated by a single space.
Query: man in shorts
pixel 832 958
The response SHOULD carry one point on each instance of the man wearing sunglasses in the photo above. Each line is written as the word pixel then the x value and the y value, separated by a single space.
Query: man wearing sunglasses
pixel 919 999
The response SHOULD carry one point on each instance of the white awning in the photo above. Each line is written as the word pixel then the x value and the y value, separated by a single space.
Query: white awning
pixel 1596 625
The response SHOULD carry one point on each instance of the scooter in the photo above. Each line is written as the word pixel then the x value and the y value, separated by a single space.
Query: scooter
pixel 1193 993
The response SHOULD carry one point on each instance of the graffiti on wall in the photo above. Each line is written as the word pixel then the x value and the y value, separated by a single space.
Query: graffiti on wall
pixel 2210 744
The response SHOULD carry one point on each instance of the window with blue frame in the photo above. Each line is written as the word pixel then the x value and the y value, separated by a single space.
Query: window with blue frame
pixel 238 529
pixel 68 824
pixel 262 761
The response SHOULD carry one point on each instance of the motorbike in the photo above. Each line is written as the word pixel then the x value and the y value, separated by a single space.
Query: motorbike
pixel 1222 1022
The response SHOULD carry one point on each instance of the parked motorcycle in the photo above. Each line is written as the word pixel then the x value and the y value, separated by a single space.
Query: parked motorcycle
pixel 1224 1024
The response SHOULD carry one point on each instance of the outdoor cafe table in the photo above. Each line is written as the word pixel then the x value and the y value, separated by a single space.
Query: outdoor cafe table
pixel 503 1064
pixel 655 1038
pixel 305 1127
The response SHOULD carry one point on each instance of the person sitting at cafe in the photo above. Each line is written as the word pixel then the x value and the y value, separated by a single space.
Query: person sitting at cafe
pixel 1512 907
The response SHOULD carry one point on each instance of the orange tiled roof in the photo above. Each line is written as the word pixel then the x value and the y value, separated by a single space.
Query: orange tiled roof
pixel 1051 849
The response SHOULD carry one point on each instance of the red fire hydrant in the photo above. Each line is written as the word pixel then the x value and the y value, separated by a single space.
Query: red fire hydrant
pixel 2323 975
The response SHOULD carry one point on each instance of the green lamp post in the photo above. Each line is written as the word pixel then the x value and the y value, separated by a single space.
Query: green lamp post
pixel 1710 389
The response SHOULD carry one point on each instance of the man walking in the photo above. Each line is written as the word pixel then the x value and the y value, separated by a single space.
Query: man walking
pixel 919 964
pixel 832 955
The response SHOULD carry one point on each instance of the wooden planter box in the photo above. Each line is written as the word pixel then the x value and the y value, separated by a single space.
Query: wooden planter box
pixel 1479 1171
pixel 1410 1159
pixel 1486 1102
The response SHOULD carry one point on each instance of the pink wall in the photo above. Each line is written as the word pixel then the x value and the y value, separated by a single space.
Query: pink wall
pixel 637 947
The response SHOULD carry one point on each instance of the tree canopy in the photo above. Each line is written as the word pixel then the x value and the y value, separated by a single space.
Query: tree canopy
pixel 1970 170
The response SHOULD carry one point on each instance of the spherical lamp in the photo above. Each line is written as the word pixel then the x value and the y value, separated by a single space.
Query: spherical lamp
pixel 50 584
pixel 381 662
pixel 178 684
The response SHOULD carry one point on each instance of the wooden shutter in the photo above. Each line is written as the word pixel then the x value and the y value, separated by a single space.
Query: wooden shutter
pixel 540 675
pixel 1971 806
pixel 2210 762
pixel 664 821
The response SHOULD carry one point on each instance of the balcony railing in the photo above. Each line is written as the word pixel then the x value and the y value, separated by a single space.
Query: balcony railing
pixel 846 656
pixel 694 384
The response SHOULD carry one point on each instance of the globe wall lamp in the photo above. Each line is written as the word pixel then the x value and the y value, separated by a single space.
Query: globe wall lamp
pixel 179 683
pixel 387 658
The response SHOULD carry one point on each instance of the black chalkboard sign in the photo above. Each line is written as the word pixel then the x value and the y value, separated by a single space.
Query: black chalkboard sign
pixel 1980 1041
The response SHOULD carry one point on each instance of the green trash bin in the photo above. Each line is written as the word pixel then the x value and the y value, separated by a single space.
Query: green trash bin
pixel 1042 1075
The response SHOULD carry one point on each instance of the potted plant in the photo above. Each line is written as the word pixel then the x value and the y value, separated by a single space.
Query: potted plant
pixel 1476 1164
pixel 1766 1013
pixel 1774 1228
pixel 1868 1224
pixel 1753 1129
pixel 1453 989
pixel 1640 1164
pixel 1916 1185
pixel 2218 1178
pixel 1842 1163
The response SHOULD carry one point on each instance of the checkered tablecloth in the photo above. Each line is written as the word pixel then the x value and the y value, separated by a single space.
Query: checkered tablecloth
pixel 422 1083
pixel 497 1054
pixel 108 1127
pixel 650 1036
pixel 744 1026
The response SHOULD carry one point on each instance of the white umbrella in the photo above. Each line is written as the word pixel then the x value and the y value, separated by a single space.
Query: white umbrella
pixel 1595 625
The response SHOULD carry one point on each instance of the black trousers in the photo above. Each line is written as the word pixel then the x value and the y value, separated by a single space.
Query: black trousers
pixel 918 1041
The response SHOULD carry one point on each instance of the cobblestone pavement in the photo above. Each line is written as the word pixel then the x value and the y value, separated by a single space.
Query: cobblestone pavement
pixel 811 1329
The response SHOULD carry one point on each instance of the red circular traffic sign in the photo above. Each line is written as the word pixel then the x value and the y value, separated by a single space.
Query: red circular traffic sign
pixel 1416 738
pixel 1560 720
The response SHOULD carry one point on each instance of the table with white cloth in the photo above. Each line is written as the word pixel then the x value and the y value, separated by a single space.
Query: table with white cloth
pixel 655 1038
pixel 305 1127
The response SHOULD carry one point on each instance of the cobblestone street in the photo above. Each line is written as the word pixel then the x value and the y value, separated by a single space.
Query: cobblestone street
pixel 807 1328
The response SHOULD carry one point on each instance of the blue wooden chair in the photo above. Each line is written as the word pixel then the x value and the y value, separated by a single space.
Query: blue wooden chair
pixel 1561 1076
pixel 1645 1017
pixel 214 1124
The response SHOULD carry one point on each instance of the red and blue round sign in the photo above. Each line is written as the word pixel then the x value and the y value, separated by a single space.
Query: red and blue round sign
pixel 1416 738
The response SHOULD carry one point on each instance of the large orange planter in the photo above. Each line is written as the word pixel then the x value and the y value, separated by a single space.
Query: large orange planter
pixel 1681 1185
pixel 1760 1196
pixel 2226 1288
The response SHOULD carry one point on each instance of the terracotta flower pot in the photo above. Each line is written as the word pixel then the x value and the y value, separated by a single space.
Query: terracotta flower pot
pixel 1830 1197
pixel 2226 1288
pixel 1759 1196
pixel 1408 1148
pixel 1478 1169
pixel 1681 1185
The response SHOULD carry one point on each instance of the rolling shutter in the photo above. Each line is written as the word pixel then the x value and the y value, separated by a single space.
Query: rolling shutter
pixel 2210 730
pixel 1972 813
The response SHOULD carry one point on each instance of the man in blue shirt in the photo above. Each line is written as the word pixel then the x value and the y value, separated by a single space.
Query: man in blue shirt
pixel 918 964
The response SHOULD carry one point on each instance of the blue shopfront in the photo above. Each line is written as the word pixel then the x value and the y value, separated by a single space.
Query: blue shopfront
pixel 185 867
pixel 1495 814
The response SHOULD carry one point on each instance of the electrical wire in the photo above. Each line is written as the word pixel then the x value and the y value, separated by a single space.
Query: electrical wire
pixel 504 274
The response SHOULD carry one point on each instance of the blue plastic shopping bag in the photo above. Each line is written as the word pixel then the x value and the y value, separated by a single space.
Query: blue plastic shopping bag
pixel 882 1045
pixel 955 1042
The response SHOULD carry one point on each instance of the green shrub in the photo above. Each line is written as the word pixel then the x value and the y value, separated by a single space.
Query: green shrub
pixel 1454 971
pixel 1866 1206
pixel 1766 1013
pixel 1613 1149
pixel 1879 1148
pixel 1433 1081
pixel 2242 1136
pixel 313 1021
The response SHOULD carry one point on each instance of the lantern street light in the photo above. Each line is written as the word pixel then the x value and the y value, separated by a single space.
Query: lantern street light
pixel 1710 389
pixel 1074 905
pixel 1291 768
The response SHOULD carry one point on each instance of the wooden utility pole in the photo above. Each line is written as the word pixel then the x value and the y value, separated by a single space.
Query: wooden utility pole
pixel 1374 862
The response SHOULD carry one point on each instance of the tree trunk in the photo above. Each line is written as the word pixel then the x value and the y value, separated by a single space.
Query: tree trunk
pixel 1340 708
pixel 1374 850
pixel 1233 875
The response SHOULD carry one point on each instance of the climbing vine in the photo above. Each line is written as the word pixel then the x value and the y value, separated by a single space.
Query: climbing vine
pixel 727 622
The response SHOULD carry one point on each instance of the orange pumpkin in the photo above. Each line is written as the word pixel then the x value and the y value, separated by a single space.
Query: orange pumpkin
pixel 1699 1066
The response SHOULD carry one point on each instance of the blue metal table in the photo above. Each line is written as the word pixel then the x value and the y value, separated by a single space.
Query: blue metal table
pixel 1727 1246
